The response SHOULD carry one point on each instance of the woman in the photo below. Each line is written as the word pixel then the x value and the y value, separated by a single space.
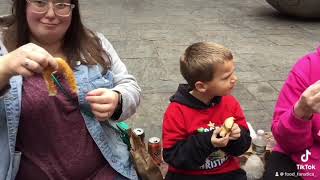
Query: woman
pixel 296 123
pixel 50 137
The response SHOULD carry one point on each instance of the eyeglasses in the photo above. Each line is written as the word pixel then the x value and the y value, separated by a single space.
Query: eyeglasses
pixel 42 6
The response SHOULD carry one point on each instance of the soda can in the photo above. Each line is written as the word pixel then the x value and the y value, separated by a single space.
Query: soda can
pixel 154 149
pixel 139 132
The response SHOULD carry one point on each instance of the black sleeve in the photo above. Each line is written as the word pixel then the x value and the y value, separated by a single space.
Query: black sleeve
pixel 239 146
pixel 191 152
pixel 118 111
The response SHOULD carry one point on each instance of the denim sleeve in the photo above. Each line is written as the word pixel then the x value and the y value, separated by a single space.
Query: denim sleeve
pixel 3 51
pixel 124 82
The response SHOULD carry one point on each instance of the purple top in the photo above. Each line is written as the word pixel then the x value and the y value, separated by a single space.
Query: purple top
pixel 53 138
pixel 293 135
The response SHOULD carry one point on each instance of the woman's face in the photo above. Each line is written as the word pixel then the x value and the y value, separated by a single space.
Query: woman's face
pixel 47 27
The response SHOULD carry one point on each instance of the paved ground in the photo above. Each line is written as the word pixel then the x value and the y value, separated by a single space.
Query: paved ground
pixel 150 35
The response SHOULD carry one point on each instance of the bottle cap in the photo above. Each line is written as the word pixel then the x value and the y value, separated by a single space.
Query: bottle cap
pixel 260 132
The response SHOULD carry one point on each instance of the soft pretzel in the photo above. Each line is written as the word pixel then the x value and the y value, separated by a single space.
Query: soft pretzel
pixel 227 125
pixel 67 72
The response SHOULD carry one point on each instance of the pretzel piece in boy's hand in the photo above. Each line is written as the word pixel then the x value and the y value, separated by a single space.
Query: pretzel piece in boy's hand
pixel 67 72
pixel 227 126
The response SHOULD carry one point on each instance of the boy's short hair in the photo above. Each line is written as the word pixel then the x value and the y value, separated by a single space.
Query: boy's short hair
pixel 199 59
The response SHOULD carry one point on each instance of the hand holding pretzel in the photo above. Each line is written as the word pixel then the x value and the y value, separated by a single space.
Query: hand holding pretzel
pixel 235 132
pixel 219 141
pixel 26 61
pixel 228 131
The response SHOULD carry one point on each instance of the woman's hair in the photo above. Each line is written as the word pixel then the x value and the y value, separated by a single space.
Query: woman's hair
pixel 199 60
pixel 80 43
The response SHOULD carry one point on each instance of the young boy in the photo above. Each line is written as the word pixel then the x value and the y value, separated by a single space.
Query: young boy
pixel 191 125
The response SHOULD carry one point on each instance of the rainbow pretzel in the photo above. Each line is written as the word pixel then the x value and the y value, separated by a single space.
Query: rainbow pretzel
pixel 67 72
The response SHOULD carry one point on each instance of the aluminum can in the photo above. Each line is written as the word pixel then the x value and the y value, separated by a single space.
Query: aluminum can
pixel 154 149
pixel 139 132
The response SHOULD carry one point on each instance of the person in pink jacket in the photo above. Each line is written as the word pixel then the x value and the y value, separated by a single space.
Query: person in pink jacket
pixel 296 124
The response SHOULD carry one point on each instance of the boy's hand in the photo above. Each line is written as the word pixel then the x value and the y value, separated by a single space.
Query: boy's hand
pixel 235 132
pixel 219 142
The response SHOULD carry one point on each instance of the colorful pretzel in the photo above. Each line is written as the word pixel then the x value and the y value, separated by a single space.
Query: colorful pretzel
pixel 67 72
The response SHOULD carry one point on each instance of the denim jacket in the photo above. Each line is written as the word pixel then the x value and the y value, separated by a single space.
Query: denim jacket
pixel 88 78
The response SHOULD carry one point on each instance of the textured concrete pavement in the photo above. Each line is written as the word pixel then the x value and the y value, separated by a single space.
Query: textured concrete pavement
pixel 150 35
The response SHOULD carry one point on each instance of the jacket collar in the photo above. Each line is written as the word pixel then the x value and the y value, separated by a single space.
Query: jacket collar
pixel 183 96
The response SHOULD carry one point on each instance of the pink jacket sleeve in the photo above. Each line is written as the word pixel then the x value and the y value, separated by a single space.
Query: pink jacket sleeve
pixel 291 133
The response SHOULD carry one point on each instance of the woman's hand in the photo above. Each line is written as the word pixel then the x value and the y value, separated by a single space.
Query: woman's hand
pixel 103 103
pixel 309 102
pixel 26 60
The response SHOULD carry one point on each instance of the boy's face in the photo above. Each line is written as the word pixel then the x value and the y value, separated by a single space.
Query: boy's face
pixel 223 82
